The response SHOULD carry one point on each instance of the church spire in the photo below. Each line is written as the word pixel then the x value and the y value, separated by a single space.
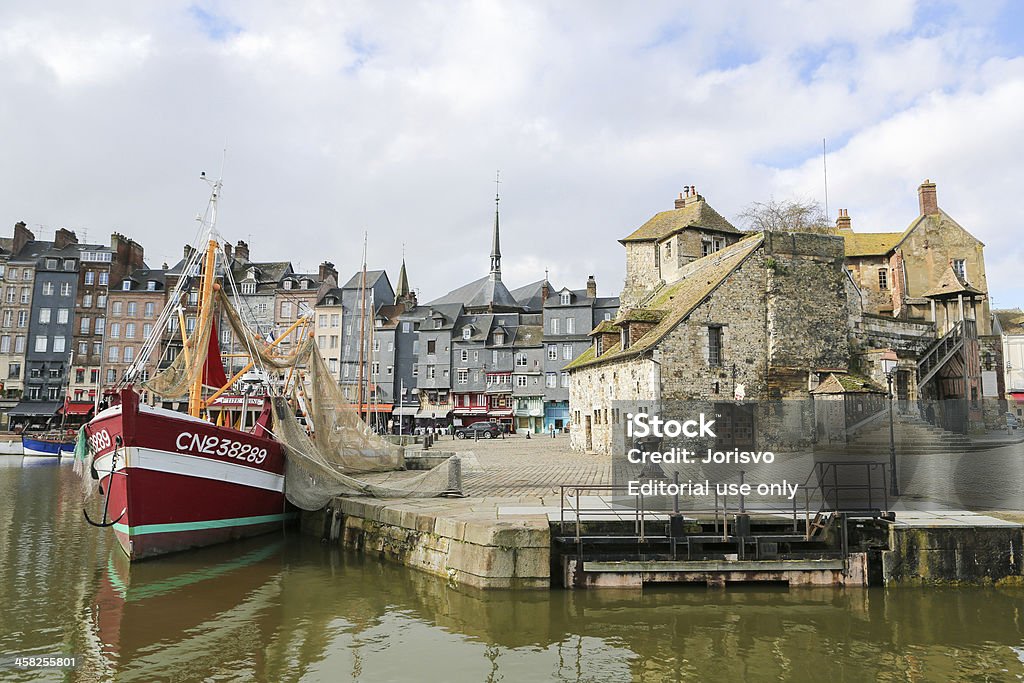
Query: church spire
pixel 404 294
pixel 495 246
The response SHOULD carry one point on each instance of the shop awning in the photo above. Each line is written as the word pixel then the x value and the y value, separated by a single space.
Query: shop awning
pixel 507 412
pixel 376 407
pixel 78 409
pixel 405 410
pixel 472 410
pixel 434 413
pixel 35 409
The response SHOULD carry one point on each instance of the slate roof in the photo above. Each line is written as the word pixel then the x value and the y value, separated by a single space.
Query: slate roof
pixel 529 335
pixel 356 281
pixel 698 214
pixel 699 279
pixel 480 293
pixel 529 296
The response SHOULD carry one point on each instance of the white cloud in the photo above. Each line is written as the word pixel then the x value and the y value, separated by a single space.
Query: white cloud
pixel 392 118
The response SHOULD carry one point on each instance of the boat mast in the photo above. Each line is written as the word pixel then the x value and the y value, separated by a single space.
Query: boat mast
pixel 362 332
pixel 205 305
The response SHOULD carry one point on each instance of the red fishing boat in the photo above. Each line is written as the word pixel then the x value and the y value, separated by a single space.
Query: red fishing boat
pixel 170 480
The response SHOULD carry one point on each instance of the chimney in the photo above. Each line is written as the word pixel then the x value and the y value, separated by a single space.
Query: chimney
pixel 927 198
pixel 228 251
pixel 545 290
pixel 681 202
pixel 22 236
pixel 591 287
pixel 328 270
pixel 63 238
pixel 242 251
pixel 843 222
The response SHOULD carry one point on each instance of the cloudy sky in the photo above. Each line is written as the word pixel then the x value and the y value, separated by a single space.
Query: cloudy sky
pixel 392 117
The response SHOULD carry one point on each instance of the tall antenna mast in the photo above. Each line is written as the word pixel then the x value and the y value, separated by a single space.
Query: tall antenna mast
pixel 824 166
pixel 362 331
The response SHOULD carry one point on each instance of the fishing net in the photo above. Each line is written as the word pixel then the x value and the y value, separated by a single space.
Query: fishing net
pixel 323 465
pixel 187 366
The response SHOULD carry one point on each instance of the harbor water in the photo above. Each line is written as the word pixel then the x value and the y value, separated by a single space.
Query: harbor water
pixel 286 608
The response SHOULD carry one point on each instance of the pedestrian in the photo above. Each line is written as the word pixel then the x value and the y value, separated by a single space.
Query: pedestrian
pixel 552 430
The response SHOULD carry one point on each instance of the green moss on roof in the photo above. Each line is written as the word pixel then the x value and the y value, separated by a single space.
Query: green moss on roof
pixel 606 326
pixel 1011 321
pixel 582 359
pixel 678 299
pixel 644 315
pixel 848 383
pixel 697 214
pixel 870 243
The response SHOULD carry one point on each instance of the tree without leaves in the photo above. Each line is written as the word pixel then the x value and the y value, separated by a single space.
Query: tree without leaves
pixel 790 215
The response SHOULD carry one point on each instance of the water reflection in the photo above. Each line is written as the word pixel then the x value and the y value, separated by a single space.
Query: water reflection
pixel 289 609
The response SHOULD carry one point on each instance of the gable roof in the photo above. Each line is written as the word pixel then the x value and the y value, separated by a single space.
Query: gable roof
pixel 699 279
pixel 1010 321
pixel 845 383
pixel 949 284
pixel 481 293
pixel 695 214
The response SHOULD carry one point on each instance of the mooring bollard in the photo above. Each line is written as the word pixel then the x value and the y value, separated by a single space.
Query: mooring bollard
pixel 454 476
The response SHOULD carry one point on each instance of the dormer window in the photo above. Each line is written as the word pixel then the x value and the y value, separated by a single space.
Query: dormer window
pixel 304 284
pixel 598 345
pixel 126 286
pixel 438 323
pixel 287 284
pixel 248 287
pixel 499 338
pixel 151 286
pixel 624 338
pixel 566 298
pixel 331 301
pixel 467 332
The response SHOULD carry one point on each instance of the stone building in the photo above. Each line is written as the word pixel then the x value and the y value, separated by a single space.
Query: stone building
pixel 17 278
pixel 658 250
pixel 755 320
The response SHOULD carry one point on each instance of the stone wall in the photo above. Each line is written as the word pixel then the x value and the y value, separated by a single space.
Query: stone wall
pixel 593 392
pixel 643 273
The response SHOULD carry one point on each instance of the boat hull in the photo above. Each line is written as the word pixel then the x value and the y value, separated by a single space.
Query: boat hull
pixel 171 482
pixel 46 448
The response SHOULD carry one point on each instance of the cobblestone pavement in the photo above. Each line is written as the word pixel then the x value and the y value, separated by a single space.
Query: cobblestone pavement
pixel 517 466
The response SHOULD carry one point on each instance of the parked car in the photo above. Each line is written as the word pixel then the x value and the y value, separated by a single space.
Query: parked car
pixel 483 430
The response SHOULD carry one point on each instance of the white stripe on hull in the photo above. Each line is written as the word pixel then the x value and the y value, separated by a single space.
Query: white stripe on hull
pixel 190 466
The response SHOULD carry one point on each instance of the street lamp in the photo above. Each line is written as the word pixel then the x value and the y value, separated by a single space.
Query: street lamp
pixel 889 363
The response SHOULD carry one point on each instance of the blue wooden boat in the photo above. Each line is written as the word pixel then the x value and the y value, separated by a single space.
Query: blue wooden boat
pixel 48 445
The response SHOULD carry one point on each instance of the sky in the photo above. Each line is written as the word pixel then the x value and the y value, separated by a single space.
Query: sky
pixel 392 118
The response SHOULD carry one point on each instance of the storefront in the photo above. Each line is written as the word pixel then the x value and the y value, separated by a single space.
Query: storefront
pixel 556 413
pixel 34 416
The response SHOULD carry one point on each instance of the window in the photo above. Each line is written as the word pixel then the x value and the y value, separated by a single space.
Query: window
pixel 87 301
pixel 101 301
pixel 415 371
pixel 714 346
pixel 83 326
pixel 332 365
pixel 711 245
pixel 44 316
pixel 41 344
pixel 248 288
pixel 47 289
pixel 431 346
pixel 883 278
pixel 151 285
pixel 90 277
pixel 115 330
pixel 51 264
pixel 129 354
pixel 391 370
pixel 286 309
pixel 62 316
pixel 19 344
pixel 552 351
pixel 406 328
pixel 566 351
pixel 126 286
pixel 334 341
pixel 438 323
pixel 190 325
pixel 430 372
pixel 58 344
pixel 960 268
pixel 570 325
pixel 116 307
pixel 553 326
pixel 83 349
pixel 12 294
pixel 147 330
pixel 321 341
pixel 668 250
pixel 494 357
pixel 463 376
pixel 150 309
pixel 565 379
pixel 53 393
pixel 111 376
pixel 100 325
pixel 104 277
pixel 26 294
pixel 499 338
pixel 375 369
pixel 8 318
pixel 132 309
pixel 551 380
pixel 467 332
pixel 464 356
pixel 5 344
pixel 376 345
pixel 69 264
pixel 521 380
pixel 113 354
pixel 14 371
pixel 65 289
pixel 193 298
pixel 94 375
pixel 322 320
pixel 287 284
pixel 521 360
pixel 335 320
pixel 22 318
pixel 129 332
pixel 566 298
